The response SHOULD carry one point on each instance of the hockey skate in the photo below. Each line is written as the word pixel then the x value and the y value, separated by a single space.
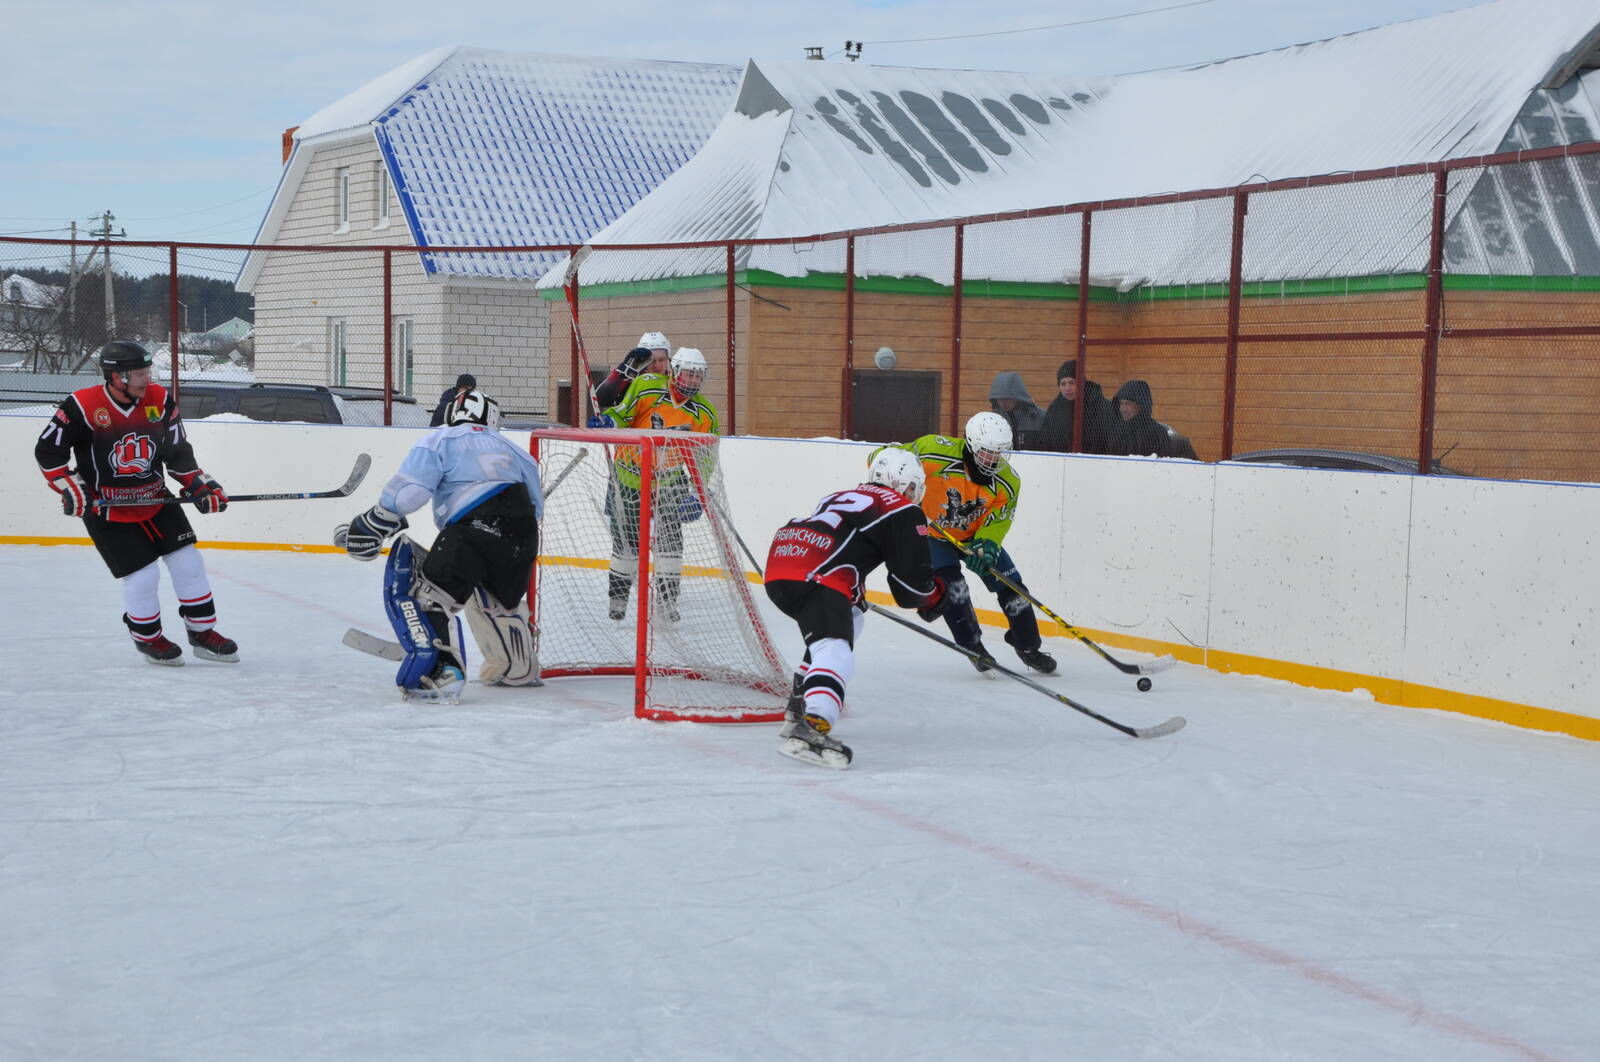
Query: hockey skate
pixel 983 663
pixel 209 645
pixel 442 685
pixel 618 606
pixel 151 643
pixel 806 739
pixel 1035 658
pixel 159 650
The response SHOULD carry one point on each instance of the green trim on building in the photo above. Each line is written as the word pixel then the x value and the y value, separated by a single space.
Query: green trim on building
pixel 1012 289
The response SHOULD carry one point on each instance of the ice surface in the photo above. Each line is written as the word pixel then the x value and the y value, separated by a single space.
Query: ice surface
pixel 278 859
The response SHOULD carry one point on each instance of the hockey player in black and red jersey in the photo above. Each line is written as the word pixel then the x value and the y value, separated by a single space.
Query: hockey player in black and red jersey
pixel 110 443
pixel 816 573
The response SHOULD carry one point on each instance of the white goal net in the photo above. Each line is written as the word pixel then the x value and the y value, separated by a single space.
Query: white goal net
pixel 639 575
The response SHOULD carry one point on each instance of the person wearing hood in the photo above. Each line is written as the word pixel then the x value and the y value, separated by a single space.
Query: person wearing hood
pixel 1139 433
pixel 1098 417
pixel 1009 397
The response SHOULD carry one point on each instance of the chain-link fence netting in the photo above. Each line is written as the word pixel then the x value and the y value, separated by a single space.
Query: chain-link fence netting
pixel 1336 336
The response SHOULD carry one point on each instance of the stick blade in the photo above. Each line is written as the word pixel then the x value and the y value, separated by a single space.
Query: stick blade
pixel 357 473
pixel 373 645
pixel 1171 726
pixel 1158 665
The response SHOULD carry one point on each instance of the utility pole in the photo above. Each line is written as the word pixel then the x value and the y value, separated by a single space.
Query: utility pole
pixel 106 234
pixel 72 285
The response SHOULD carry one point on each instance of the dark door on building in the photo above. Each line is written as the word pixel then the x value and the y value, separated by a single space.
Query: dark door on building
pixel 893 406
pixel 564 395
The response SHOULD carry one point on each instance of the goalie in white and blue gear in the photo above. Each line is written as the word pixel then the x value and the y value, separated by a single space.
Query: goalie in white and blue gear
pixel 487 502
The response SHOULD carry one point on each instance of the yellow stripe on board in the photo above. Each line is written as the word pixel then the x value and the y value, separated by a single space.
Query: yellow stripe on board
pixel 1383 690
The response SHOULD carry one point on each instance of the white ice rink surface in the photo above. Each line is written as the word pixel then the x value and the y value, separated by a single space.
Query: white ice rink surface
pixel 279 860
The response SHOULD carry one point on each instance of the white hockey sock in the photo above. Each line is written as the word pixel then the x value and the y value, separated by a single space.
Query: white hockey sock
pixel 189 582
pixel 832 663
pixel 141 597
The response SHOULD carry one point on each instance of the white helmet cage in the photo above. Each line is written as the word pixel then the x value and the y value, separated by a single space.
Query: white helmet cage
pixel 900 471
pixel 475 407
pixel 988 440
pixel 688 371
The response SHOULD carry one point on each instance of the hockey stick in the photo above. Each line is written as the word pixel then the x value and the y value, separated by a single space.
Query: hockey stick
pixel 1154 667
pixel 357 474
pixel 385 649
pixel 569 286
pixel 1171 726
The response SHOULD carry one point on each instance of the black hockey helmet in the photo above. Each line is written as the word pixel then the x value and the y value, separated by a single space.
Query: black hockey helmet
pixel 124 355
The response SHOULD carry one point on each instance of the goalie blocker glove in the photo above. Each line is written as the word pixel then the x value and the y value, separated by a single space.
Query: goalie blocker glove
pixel 208 493
pixel 367 533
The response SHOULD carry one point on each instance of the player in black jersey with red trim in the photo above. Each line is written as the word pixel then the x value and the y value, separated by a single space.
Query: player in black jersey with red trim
pixel 119 435
pixel 816 573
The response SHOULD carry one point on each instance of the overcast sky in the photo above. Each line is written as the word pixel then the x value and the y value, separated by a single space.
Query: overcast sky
pixel 169 113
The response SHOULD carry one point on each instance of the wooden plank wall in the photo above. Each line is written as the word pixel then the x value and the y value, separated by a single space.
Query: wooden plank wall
pixel 1506 408
pixel 1520 408
pixel 612 325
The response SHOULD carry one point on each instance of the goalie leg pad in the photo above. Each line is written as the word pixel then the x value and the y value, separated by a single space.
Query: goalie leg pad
pixel 419 612
pixel 507 639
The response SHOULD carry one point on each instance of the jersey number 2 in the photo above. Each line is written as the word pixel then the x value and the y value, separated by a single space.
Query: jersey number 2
pixel 843 502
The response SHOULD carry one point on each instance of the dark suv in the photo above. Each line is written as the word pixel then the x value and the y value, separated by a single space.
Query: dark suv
pixel 304 403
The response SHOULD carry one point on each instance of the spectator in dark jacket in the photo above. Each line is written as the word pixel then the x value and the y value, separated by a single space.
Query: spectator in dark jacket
pixel 1141 433
pixel 1009 397
pixel 1098 416
pixel 464 383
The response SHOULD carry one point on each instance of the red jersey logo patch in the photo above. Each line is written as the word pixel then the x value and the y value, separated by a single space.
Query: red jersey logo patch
pixel 131 455
pixel 102 418
pixel 152 413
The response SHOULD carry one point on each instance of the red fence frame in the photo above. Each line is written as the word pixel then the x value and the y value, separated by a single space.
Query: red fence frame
pixel 1431 331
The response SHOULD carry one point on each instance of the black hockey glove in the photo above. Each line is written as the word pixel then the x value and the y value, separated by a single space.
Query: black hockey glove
pixel 76 498
pixel 208 493
pixel 364 537
pixel 634 361
pixel 935 603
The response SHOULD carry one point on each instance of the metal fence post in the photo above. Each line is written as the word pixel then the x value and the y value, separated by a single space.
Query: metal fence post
pixel 1435 321
pixel 1230 365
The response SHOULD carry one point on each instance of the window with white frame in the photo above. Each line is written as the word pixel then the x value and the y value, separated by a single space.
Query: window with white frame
pixel 338 352
pixel 341 198
pixel 405 356
pixel 384 190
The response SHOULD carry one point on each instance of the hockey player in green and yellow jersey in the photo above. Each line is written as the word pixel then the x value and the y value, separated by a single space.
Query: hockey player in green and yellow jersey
pixel 656 402
pixel 972 494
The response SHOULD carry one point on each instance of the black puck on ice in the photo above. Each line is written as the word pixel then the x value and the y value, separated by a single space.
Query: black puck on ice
pixel 1143 684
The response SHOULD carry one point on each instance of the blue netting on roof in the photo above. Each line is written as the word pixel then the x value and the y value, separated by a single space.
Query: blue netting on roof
pixel 503 149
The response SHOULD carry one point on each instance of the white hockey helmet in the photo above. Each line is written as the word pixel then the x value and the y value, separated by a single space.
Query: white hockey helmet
pixel 988 440
pixel 688 371
pixel 654 341
pixel 475 407
pixel 900 471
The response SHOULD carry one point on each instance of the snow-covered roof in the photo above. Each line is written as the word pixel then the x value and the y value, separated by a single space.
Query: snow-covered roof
pixel 816 147
pixel 493 148
pixel 19 290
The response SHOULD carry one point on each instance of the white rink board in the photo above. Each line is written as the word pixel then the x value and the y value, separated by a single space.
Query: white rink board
pixel 1507 602
pixel 1132 554
pixel 1310 566
pixel 1478 587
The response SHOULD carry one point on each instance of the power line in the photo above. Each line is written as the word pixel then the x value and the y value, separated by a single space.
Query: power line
pixel 203 210
pixel 1036 29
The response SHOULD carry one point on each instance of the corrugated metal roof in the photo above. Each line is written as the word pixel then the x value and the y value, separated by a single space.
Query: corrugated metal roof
pixel 864 145
pixel 490 148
